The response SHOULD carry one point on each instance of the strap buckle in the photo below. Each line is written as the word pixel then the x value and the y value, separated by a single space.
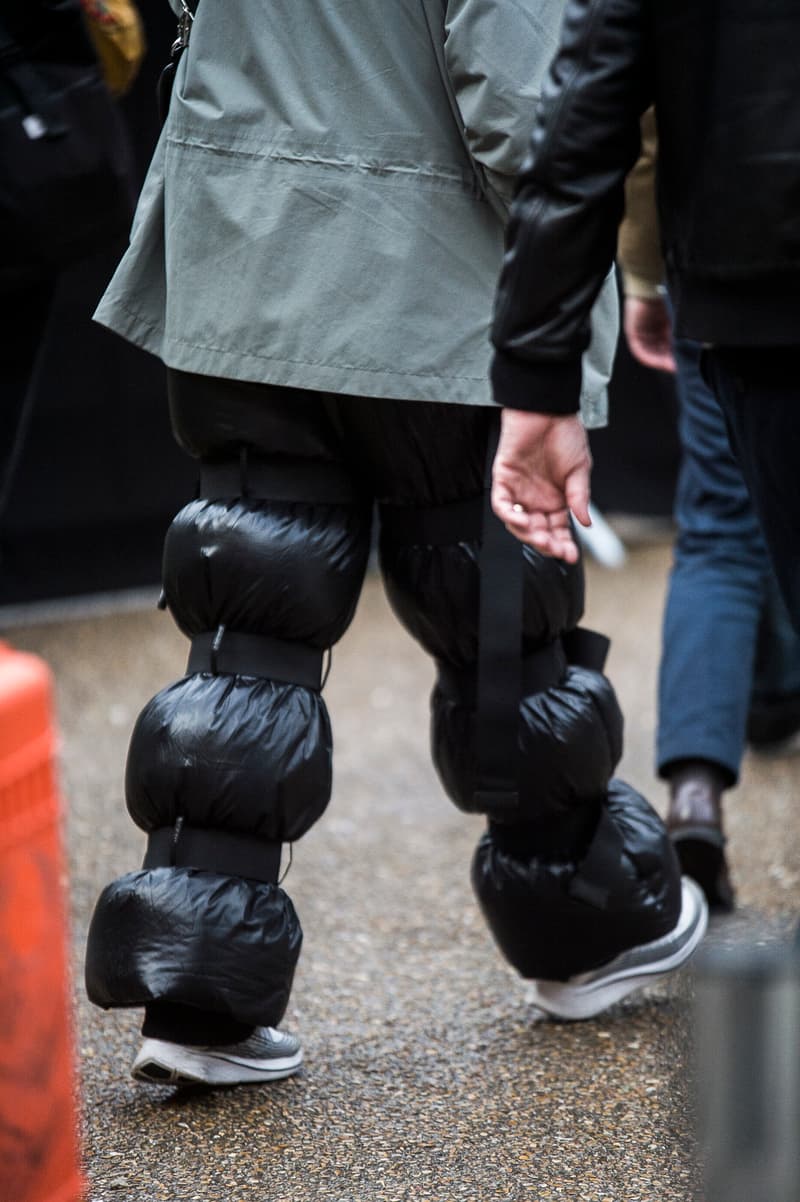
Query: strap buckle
pixel 184 29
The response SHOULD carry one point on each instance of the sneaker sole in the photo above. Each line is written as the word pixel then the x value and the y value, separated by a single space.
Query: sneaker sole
pixel 162 1063
pixel 578 1001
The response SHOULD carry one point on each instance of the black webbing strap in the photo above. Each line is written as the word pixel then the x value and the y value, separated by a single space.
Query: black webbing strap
pixel 499 673
pixel 586 648
pixel 499 656
pixel 231 652
pixel 310 480
pixel 599 866
pixel 503 676
pixel 433 525
pixel 539 671
pixel 182 846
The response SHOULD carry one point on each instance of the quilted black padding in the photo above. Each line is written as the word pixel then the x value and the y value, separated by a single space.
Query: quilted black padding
pixel 289 570
pixel 434 592
pixel 248 755
pixel 548 933
pixel 224 944
pixel 570 741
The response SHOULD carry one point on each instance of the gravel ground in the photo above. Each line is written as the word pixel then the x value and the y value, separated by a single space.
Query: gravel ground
pixel 429 1073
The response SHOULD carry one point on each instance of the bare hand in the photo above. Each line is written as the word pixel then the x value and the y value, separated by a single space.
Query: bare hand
pixel 648 329
pixel 541 472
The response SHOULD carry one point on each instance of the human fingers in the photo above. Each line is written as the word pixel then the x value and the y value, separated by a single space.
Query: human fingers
pixel 551 534
pixel 578 495
pixel 561 540
pixel 648 330
pixel 554 545
pixel 652 347
pixel 508 507
pixel 658 356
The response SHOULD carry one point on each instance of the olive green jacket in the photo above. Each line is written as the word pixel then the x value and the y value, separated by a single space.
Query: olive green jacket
pixel 326 203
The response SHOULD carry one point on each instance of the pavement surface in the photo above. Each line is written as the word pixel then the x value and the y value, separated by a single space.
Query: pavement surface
pixel 429 1073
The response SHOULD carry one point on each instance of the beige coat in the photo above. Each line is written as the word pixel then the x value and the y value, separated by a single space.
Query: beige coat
pixel 639 246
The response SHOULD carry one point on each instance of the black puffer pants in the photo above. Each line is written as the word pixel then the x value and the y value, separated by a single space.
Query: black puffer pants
pixel 262 572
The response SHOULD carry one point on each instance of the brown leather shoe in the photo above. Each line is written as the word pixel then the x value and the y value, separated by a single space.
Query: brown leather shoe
pixel 694 823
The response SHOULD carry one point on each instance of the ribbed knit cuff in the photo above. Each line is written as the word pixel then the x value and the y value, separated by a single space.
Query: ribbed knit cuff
pixel 536 386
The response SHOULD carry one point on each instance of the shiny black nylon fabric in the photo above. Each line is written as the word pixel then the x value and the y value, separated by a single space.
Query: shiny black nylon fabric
pixel 178 934
pixel 293 570
pixel 252 756
pixel 434 592
pixel 256 547
pixel 240 754
pixel 548 934
pixel 570 740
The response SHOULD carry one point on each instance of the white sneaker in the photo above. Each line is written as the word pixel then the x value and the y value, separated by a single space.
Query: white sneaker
pixel 588 993
pixel 266 1055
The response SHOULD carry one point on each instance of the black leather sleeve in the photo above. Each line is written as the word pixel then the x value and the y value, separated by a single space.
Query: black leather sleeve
pixel 561 237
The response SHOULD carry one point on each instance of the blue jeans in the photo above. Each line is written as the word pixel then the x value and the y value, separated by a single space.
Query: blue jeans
pixel 720 596
pixel 759 393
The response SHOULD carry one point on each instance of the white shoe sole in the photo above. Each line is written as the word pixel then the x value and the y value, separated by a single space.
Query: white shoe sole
pixel 588 994
pixel 163 1063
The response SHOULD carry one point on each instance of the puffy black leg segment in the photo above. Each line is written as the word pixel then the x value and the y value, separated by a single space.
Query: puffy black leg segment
pixel 219 943
pixel 580 869
pixel 569 738
pixel 569 723
pixel 557 914
pixel 233 760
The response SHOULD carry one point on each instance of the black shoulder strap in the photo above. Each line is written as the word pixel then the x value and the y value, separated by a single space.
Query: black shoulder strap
pixel 502 566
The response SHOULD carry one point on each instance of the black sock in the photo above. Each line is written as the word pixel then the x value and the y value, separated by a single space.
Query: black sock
pixel 189 1025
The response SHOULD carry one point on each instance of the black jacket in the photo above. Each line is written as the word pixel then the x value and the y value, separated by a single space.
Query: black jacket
pixel 724 78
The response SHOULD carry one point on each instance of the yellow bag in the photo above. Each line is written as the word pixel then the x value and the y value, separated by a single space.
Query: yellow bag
pixel 118 35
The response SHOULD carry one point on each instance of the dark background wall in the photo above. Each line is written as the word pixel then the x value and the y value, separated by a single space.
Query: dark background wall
pixel 100 478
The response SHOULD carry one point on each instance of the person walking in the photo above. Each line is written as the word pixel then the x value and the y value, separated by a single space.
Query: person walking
pixel 730 661
pixel 729 169
pixel 313 258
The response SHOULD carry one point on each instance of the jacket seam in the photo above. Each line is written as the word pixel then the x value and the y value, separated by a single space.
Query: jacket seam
pixel 250 354
pixel 461 180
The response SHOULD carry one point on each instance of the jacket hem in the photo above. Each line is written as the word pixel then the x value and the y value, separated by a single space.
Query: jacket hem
pixel 738 313
pixel 319 377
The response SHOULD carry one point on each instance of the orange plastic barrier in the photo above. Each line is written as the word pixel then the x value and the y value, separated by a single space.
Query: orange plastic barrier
pixel 38 1120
